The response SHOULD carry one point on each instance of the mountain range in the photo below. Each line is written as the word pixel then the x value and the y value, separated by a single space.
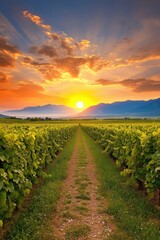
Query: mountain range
pixel 150 108
pixel 48 110
pixel 3 116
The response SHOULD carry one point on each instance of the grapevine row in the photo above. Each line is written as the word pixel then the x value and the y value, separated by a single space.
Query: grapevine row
pixel 24 152
pixel 136 149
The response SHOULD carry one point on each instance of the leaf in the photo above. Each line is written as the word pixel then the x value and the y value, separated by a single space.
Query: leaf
pixel 1 223
pixel 3 199
pixel 1 184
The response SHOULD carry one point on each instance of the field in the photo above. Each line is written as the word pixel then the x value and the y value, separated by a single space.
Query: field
pixel 80 179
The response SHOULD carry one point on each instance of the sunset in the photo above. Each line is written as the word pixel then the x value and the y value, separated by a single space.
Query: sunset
pixel 80 104
pixel 80 120
pixel 100 51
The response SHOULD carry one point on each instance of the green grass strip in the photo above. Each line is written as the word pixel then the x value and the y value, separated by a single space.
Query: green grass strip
pixel 42 204
pixel 135 217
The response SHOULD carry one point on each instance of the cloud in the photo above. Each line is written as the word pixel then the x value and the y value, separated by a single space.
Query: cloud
pixel 142 85
pixel 70 64
pixel 6 60
pixel 142 44
pixel 55 69
pixel 8 53
pixel 83 44
pixel 24 94
pixel 37 20
pixel 146 52
pixel 73 64
pixel 48 70
pixel 66 57
pixel 68 43
pixel 97 63
pixel 105 82
pixel 136 85
pixel 28 89
pixel 5 46
pixel 44 50
pixel 65 42
pixel 3 78
pixel 27 59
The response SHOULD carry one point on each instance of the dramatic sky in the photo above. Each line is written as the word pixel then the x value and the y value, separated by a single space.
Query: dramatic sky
pixel 64 51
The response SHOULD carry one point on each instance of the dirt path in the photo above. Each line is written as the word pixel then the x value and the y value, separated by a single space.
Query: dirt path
pixel 79 212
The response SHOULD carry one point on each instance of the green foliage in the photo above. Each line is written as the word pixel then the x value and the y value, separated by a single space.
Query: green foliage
pixel 136 148
pixel 134 217
pixel 25 150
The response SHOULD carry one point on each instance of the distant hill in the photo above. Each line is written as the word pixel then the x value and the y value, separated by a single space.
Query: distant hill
pixel 148 108
pixel 3 116
pixel 43 111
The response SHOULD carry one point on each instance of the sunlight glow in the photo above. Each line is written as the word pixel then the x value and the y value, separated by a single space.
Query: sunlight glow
pixel 80 104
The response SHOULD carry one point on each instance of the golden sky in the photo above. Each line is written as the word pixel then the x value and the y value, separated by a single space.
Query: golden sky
pixel 44 60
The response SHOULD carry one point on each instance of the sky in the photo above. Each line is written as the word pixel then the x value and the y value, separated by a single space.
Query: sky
pixel 64 51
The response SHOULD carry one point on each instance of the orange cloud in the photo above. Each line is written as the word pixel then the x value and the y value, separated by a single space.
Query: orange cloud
pixel 6 60
pixel 68 43
pixel 28 89
pixel 3 78
pixel 27 59
pixel 73 65
pixel 83 44
pixel 70 64
pixel 48 70
pixel 65 42
pixel 105 82
pixel 44 50
pixel 136 85
pixel 24 94
pixel 5 46
pixel 141 46
pixel 142 85
pixel 37 20
pixel 8 53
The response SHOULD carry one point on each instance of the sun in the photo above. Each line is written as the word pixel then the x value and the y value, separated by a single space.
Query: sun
pixel 80 104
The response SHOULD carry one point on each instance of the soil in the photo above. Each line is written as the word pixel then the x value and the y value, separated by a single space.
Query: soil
pixel 80 210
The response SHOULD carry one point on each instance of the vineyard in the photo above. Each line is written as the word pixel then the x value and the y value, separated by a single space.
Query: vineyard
pixel 136 149
pixel 27 149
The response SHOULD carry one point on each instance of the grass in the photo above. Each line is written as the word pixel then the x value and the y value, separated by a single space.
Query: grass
pixel 32 221
pixel 83 196
pixel 82 186
pixel 82 178
pixel 68 201
pixel 81 175
pixel 75 232
pixel 81 209
pixel 135 218
pixel 133 215
pixel 68 196
pixel 67 214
